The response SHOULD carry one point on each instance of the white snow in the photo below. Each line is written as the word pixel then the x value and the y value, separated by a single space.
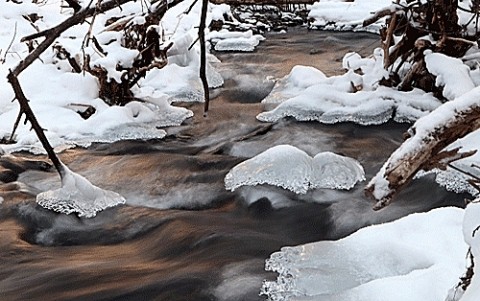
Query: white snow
pixel 78 195
pixel 419 257
pixel 471 226
pixel 308 95
pixel 291 168
pixel 343 15
pixel 451 74
pixel 225 40
pixel 62 92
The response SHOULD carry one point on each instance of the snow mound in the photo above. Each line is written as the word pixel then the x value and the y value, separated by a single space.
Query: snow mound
pixel 225 40
pixel 346 98
pixel 78 195
pixel 451 74
pixel 394 261
pixel 291 168
pixel 299 78
pixel 346 15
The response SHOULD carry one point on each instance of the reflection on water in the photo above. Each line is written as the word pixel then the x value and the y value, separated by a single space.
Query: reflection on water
pixel 206 243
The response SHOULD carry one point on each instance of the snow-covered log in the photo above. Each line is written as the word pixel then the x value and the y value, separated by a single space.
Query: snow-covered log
pixel 426 145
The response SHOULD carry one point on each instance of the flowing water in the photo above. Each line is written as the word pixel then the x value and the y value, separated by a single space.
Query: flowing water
pixel 182 236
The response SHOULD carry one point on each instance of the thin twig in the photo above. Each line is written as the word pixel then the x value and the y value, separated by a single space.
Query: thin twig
pixel 11 43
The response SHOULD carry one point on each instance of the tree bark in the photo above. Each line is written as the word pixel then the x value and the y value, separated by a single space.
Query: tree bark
pixel 424 151
pixel 203 55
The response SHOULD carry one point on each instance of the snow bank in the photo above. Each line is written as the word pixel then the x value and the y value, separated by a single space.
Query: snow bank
pixel 78 195
pixel 349 15
pixel 306 94
pixel 62 94
pixel 471 226
pixel 418 257
pixel 341 15
pixel 291 168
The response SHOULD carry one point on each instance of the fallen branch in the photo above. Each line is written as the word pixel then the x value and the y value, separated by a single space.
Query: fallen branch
pixel 386 11
pixel 424 148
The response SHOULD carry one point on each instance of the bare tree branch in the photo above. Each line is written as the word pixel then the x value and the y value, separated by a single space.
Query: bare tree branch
pixel 25 108
pixel 203 55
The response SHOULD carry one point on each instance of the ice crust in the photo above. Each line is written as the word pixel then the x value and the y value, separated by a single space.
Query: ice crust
pixel 225 40
pixel 331 99
pixel 291 168
pixel 78 195
pixel 401 260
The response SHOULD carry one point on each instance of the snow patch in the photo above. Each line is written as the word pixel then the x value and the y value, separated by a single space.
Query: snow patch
pixel 451 74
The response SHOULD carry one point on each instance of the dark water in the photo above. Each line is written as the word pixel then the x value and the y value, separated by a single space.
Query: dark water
pixel 182 236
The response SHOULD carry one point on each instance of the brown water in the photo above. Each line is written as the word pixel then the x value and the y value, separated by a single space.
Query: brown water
pixel 182 236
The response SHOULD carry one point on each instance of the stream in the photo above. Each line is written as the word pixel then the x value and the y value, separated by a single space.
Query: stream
pixel 182 236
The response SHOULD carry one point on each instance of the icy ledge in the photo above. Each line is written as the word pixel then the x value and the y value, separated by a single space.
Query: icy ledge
pixel 78 195
pixel 419 257
pixel 306 94
pixel 291 168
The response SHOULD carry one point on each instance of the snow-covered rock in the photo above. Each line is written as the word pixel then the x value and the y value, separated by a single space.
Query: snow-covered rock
pixel 403 260
pixel 291 168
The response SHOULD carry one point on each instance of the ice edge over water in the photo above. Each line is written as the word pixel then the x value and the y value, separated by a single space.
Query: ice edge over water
pixel 291 168
pixel 78 195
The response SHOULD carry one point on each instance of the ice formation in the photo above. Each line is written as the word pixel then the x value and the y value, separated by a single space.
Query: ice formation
pixel 332 99
pixel 291 168
pixel 78 195
pixel 225 40
pixel 403 260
